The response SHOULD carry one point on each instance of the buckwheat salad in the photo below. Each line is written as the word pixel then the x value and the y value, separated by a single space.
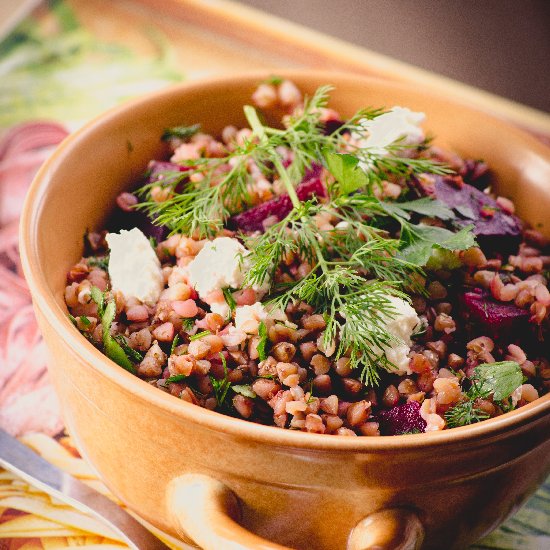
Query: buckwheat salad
pixel 332 276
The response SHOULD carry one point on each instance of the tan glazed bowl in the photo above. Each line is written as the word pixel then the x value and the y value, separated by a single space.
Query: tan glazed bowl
pixel 232 484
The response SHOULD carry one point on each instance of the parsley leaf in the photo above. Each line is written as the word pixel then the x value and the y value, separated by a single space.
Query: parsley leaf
pixel 425 206
pixel 133 354
pixel 221 387
pixel 99 298
pixel 262 344
pixel 180 132
pixel 421 240
pixel 188 324
pixel 245 390
pixel 102 262
pixel 500 378
pixel 111 347
pixel 348 174
pixel 175 379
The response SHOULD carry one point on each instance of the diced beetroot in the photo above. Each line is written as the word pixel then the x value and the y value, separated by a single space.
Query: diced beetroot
pixel 124 218
pixel 251 220
pixel 157 168
pixel 495 230
pixel 331 126
pixel 401 419
pixel 498 320
pixel 476 173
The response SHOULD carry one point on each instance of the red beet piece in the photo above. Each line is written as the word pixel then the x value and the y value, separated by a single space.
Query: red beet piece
pixel 496 319
pixel 495 230
pixel 401 419
pixel 156 170
pixel 251 220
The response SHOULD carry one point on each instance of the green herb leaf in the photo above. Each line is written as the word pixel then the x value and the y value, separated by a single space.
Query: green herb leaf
pixel 72 319
pixel 99 298
pixel 348 174
pixel 199 335
pixel 133 354
pixel 181 132
pixel 175 379
pixel 153 242
pixel 188 324
pixel 85 321
pixel 229 299
pixel 221 387
pixel 111 347
pixel 245 390
pixel 500 378
pixel 425 207
pixel 422 239
pixel 102 262
pixel 174 344
pixel 262 344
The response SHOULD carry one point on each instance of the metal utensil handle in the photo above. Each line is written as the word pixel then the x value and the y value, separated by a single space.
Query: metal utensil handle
pixel 23 462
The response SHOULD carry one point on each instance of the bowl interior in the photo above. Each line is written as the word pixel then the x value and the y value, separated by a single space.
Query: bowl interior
pixel 76 189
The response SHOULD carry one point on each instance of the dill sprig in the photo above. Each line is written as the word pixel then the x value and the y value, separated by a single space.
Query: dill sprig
pixel 356 268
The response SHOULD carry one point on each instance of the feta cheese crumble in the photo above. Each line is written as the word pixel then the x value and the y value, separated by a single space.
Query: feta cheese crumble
pixel 134 268
pixel 248 318
pixel 385 129
pixel 220 264
pixel 401 325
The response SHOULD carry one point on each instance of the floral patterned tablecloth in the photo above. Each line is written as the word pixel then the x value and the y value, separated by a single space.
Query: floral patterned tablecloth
pixel 56 72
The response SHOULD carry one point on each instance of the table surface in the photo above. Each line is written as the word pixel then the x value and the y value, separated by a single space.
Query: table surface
pixel 67 63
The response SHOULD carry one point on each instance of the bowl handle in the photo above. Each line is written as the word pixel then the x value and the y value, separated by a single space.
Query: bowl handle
pixel 206 510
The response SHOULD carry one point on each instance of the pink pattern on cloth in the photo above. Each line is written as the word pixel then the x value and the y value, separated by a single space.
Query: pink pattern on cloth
pixel 27 400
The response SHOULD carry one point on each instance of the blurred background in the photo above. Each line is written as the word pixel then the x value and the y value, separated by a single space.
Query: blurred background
pixel 502 46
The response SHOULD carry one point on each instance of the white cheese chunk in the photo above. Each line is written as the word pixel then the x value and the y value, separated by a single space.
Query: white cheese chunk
pixel 134 268
pixel 398 123
pixel 220 264
pixel 401 325
pixel 248 318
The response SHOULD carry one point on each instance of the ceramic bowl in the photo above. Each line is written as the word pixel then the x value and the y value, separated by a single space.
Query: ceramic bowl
pixel 229 483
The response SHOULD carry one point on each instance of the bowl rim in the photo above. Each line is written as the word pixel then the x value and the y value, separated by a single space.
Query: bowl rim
pixel 128 383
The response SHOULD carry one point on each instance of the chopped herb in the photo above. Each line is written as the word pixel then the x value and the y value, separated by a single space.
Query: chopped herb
pixel 111 347
pixel 181 132
pixel 99 298
pixel 498 379
pixel 408 432
pixel 262 343
pixel 174 343
pixel 102 262
pixel 188 324
pixel 85 321
pixel 153 242
pixel 133 354
pixel 229 299
pixel 175 379
pixel 274 80
pixel 199 335
pixel 245 390
pixel 72 319
pixel 129 146
pixel 221 387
